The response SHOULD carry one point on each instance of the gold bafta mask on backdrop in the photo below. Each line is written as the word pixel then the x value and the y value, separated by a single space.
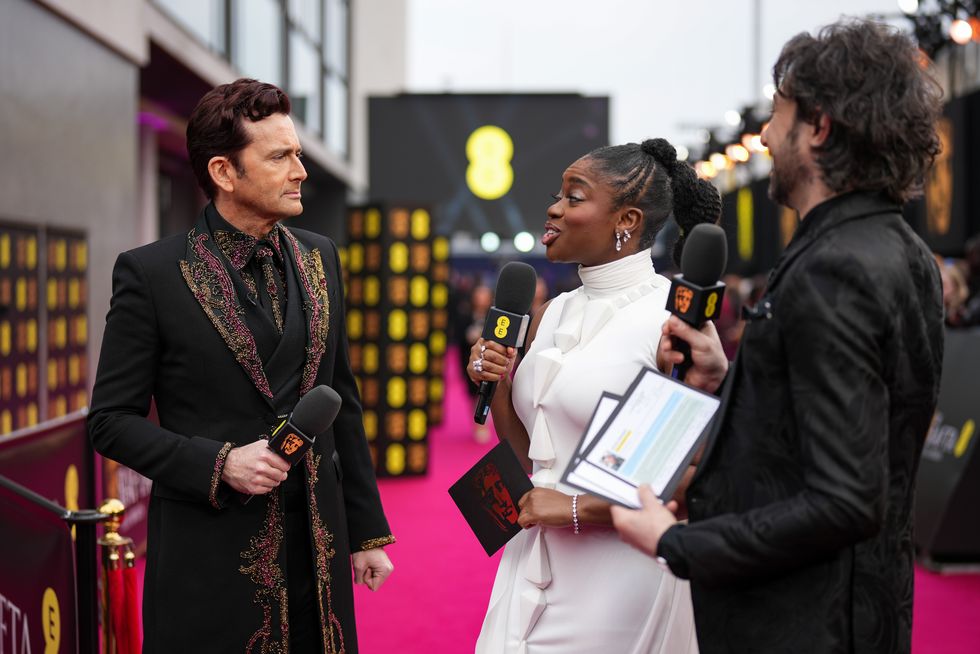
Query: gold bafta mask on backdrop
pixel 939 183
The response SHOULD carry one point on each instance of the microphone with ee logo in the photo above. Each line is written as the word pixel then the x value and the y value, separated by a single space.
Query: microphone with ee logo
pixel 507 320
pixel 696 294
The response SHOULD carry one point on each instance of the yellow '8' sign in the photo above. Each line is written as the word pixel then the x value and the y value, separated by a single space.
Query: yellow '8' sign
pixel 500 331
pixel 711 306
pixel 489 150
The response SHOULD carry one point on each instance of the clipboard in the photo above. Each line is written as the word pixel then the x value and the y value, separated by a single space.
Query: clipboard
pixel 649 435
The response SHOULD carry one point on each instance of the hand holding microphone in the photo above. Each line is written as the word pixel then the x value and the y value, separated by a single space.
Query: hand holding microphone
pixel 695 299
pixel 259 467
pixel 506 325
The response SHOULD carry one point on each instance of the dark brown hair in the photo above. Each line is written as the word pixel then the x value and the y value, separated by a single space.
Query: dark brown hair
pixel 648 176
pixel 215 127
pixel 882 105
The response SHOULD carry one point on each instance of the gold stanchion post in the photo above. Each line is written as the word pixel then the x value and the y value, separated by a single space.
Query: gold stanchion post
pixel 117 553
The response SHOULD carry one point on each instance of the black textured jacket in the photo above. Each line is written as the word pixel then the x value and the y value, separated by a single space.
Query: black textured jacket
pixel 176 332
pixel 800 535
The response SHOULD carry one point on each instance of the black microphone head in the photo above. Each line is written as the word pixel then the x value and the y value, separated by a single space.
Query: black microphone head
pixel 705 255
pixel 515 287
pixel 316 411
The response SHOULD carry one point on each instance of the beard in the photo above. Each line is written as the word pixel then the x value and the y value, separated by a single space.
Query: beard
pixel 788 170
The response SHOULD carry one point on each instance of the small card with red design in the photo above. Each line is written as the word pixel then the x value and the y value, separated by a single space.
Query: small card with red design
pixel 487 496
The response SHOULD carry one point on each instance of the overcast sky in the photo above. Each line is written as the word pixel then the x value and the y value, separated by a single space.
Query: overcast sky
pixel 669 68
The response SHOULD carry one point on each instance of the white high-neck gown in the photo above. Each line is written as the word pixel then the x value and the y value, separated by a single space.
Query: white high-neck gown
pixel 557 592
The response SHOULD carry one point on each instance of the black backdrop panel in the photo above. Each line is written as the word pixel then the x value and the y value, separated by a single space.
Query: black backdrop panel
pixel 418 154
pixel 752 222
pixel 949 212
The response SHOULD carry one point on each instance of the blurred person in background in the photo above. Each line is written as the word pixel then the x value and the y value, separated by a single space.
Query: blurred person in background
pixel 540 295
pixel 967 314
pixel 800 534
pixel 481 299
pixel 225 328
pixel 730 323
pixel 955 290
pixel 567 584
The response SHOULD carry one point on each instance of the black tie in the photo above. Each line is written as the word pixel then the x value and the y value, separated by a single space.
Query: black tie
pixel 269 280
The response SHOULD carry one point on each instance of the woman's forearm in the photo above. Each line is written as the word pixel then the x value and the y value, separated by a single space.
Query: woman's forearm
pixel 507 425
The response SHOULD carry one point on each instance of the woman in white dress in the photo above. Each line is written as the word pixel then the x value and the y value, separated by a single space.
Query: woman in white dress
pixel 567 584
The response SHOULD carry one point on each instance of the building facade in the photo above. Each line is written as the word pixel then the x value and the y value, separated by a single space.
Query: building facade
pixel 94 101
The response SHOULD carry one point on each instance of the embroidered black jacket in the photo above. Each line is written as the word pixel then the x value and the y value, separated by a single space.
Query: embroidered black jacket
pixel 176 333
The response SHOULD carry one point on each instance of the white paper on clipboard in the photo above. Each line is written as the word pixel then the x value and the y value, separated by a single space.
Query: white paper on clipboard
pixel 646 437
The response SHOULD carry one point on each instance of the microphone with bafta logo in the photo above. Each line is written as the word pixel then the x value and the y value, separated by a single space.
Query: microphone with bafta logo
pixel 696 294
pixel 507 320
pixel 311 417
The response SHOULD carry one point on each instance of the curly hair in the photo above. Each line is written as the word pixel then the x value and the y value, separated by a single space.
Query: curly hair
pixel 867 79
pixel 215 127
pixel 649 177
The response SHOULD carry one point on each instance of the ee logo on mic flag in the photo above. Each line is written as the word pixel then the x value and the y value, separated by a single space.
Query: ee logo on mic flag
pixel 503 323
pixel 712 306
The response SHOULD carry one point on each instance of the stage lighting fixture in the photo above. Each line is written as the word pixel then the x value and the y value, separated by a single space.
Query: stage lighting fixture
pixel 737 152
pixel 908 6
pixel 524 242
pixel 490 242
pixel 719 161
pixel 705 169
pixel 682 153
pixel 733 118
pixel 961 31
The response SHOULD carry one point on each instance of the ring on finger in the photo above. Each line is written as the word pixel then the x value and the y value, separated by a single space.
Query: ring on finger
pixel 478 365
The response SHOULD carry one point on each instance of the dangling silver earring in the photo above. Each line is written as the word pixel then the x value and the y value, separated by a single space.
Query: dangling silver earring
pixel 619 243
pixel 626 235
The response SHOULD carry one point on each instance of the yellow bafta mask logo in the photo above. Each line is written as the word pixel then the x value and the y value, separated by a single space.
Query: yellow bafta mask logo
pixel 682 299
pixel 291 444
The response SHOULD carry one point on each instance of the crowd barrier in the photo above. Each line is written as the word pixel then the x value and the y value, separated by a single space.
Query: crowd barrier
pixel 946 528
pixel 49 564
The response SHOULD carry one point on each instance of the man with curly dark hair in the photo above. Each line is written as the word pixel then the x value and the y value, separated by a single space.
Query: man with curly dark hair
pixel 800 534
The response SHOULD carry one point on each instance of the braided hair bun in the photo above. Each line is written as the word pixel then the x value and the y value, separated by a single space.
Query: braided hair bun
pixel 695 200
pixel 663 152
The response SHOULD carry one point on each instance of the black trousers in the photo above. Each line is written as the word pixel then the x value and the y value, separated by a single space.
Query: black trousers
pixel 304 625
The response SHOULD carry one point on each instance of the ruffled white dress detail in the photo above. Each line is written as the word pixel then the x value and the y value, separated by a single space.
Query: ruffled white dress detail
pixel 557 592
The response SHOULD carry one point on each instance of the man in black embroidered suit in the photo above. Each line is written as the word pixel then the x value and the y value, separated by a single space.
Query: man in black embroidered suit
pixel 800 510
pixel 225 328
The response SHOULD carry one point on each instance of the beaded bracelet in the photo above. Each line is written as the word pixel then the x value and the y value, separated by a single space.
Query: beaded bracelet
pixel 575 527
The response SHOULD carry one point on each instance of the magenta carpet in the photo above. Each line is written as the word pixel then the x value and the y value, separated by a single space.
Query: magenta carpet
pixel 435 600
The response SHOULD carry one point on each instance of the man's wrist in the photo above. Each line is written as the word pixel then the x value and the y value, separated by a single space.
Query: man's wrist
pixel 669 553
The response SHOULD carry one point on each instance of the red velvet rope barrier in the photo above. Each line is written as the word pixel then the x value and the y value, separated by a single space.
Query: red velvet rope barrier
pixel 124 602
pixel 132 612
pixel 117 610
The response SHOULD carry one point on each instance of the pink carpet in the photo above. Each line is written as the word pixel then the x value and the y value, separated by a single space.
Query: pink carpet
pixel 435 600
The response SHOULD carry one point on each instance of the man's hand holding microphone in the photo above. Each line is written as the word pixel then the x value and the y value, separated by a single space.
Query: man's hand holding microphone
pixel 690 342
